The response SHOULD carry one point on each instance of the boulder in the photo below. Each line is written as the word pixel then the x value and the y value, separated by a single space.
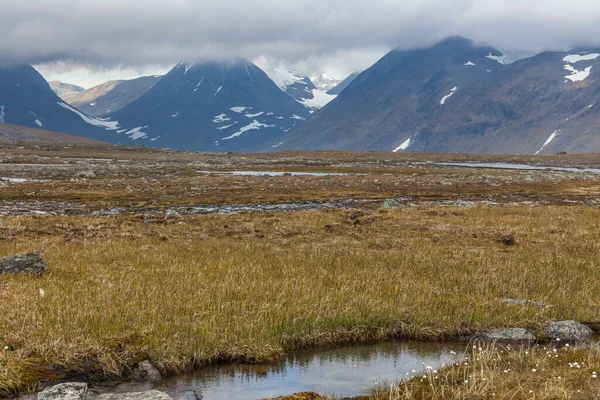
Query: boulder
pixel 145 371
pixel 189 396
pixel 510 335
pixel 65 391
pixel 391 203
pixel 149 395
pixel 31 263
pixel 571 331
pixel 173 215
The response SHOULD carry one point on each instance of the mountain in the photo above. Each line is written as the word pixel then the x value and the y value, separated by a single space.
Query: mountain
pixel 343 84
pixel 213 106
pixel 462 98
pixel 299 86
pixel 110 96
pixel 64 89
pixel 324 82
pixel 26 99
pixel 15 132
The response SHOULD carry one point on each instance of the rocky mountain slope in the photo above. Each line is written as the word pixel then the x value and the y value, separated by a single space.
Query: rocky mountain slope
pixel 299 86
pixel 214 106
pixel 458 97
pixel 26 99
pixel 110 96
pixel 64 89
pixel 343 84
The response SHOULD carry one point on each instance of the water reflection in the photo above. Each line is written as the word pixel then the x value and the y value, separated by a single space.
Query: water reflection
pixel 344 372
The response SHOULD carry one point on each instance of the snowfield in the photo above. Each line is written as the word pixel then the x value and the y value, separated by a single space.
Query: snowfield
pixel 403 146
pixel 102 123
pixel 254 125
pixel 548 141
pixel 445 98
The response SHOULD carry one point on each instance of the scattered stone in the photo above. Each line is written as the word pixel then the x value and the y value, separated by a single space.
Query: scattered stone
pixel 173 215
pixel 65 391
pixel 524 303
pixel 191 395
pixel 72 211
pixel 571 331
pixel 149 395
pixel 511 335
pixel 391 203
pixel 145 371
pixel 508 240
pixel 31 263
pixel 85 174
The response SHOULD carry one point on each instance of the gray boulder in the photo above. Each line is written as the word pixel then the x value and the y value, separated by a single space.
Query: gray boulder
pixel 150 395
pixel 31 263
pixel 568 331
pixel 145 371
pixel 65 391
pixel 510 335
pixel 391 203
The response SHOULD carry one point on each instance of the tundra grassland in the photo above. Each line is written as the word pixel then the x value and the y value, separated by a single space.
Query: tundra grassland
pixel 185 290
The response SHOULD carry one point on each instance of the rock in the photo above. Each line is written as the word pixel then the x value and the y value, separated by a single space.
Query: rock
pixel 149 395
pixel 72 211
pixel 31 263
pixel 189 396
pixel 173 215
pixel 510 335
pixel 145 371
pixel 524 303
pixel 571 331
pixel 65 391
pixel 390 203
pixel 508 240
pixel 85 174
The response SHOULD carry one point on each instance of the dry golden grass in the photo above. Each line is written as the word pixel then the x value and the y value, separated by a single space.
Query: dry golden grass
pixel 491 372
pixel 249 287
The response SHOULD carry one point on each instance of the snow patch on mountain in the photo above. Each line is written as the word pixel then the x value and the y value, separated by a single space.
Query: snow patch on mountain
pixel 188 67
pixel 282 76
pixel 38 123
pixel 221 118
pixel 101 123
pixel 254 125
pixel 405 145
pixel 324 82
pixel 137 133
pixel 470 64
pixel 320 99
pixel 548 141
pixel 222 128
pixel 445 98
pixel 577 75
pixel 575 58
pixel 255 115
pixel 298 117
pixel 239 110
pixel 501 59
pixel 218 90
pixel 2 114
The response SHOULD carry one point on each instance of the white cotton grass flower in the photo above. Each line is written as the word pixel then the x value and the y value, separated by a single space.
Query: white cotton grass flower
pixel 42 292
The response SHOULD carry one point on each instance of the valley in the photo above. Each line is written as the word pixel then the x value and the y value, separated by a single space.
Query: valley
pixel 168 256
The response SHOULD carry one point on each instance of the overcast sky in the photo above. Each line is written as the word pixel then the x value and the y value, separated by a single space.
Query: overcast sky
pixel 336 36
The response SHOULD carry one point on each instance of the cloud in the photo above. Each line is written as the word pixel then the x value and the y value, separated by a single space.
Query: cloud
pixel 109 33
